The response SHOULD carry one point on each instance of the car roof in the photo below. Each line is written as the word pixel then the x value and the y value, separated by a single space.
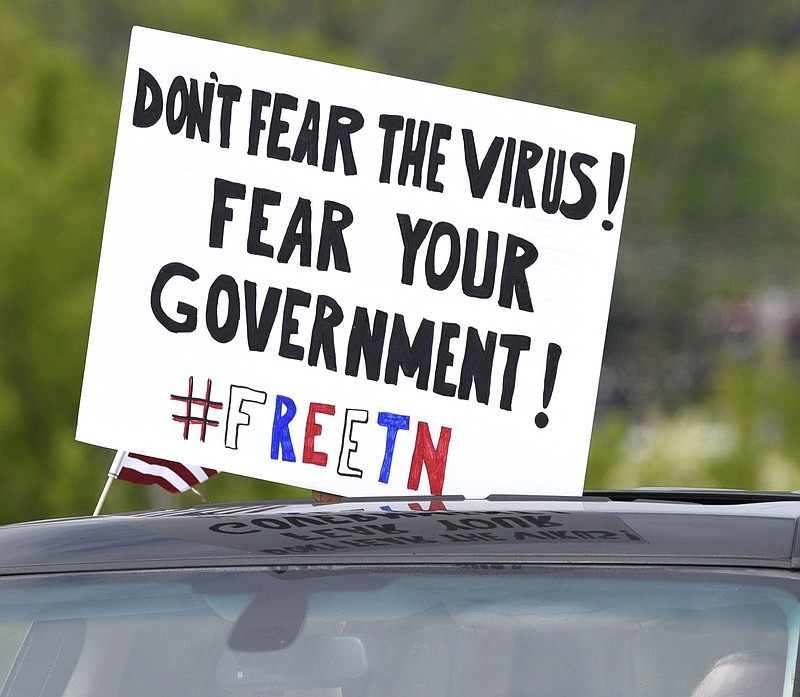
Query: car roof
pixel 711 528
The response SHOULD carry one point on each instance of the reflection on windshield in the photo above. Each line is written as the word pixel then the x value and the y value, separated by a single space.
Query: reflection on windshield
pixel 440 632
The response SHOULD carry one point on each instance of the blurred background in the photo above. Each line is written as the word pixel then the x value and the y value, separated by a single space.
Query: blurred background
pixel 701 377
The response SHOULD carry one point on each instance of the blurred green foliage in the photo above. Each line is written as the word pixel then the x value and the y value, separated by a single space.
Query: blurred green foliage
pixel 712 210
pixel 744 433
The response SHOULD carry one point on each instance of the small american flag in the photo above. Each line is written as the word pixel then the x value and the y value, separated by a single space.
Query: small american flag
pixel 175 477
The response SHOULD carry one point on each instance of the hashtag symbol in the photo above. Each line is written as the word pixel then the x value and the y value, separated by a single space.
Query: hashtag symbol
pixel 190 418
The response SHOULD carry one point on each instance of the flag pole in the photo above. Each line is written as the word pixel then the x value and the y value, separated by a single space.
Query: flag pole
pixel 102 499
pixel 112 475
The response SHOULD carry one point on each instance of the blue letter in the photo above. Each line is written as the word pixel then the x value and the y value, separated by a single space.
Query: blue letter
pixel 285 409
pixel 393 423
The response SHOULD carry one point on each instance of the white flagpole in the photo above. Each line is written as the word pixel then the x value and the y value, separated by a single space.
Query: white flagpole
pixel 112 475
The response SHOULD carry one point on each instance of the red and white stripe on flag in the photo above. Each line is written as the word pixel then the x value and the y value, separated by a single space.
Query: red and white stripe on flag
pixel 175 477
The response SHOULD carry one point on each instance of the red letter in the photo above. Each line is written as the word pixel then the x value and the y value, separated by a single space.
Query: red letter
pixel 435 459
pixel 313 429
pixel 432 506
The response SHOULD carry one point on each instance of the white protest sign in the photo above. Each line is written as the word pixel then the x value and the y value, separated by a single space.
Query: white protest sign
pixel 351 282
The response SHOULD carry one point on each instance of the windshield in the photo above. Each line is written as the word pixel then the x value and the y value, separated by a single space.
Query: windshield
pixel 405 632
